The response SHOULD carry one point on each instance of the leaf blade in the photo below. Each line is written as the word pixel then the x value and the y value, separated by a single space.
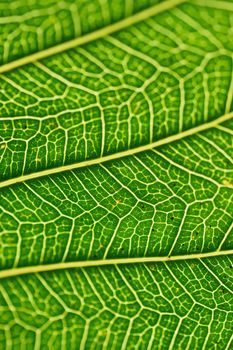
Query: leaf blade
pixel 147 111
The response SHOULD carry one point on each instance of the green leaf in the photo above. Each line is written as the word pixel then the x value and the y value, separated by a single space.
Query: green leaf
pixel 116 174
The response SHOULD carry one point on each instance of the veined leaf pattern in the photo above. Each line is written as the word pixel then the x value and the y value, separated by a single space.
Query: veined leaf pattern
pixel 116 174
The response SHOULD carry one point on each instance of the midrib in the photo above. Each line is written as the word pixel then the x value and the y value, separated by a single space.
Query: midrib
pixel 118 155
pixel 88 263
pixel 138 17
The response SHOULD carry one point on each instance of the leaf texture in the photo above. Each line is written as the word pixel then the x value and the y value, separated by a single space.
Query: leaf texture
pixel 116 149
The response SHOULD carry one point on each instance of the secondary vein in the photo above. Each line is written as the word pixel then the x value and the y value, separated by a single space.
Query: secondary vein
pixel 118 155
pixel 138 17
pixel 88 263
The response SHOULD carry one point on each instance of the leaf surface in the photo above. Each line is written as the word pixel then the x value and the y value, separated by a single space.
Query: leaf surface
pixel 116 149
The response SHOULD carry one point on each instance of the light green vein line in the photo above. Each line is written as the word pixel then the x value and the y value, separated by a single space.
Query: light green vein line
pixel 138 17
pixel 223 5
pixel 88 263
pixel 118 155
